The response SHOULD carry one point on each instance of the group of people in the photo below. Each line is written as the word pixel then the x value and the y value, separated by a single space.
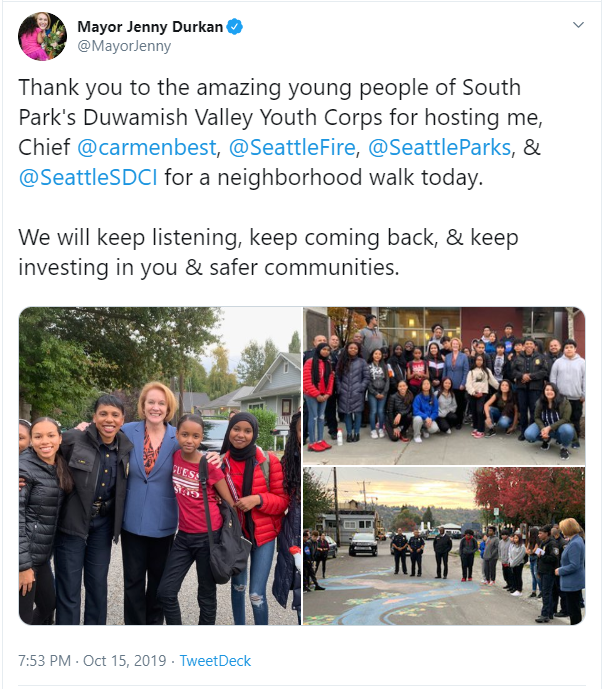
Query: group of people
pixel 555 555
pixel 503 384
pixel 85 488
pixel 315 555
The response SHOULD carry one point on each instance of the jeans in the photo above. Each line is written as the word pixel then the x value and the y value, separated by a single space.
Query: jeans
pixel 564 434
pixel 261 559
pixel 74 555
pixel 533 567
pixel 353 422
pixel 315 422
pixel 143 559
pixel 187 549
pixel 42 594
pixel 504 422
pixel 419 425
pixel 376 411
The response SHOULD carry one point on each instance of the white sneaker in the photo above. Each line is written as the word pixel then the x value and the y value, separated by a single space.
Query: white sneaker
pixel 425 435
pixel 380 433
pixel 373 434
pixel 448 432
pixel 483 581
pixel 418 439
pixel 516 593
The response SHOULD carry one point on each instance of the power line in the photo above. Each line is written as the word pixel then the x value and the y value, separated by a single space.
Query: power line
pixel 423 478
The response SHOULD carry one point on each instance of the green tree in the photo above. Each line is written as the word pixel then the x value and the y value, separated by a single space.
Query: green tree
pixel 294 346
pixel 427 517
pixel 196 376
pixel 220 381
pixel 252 364
pixel 266 423
pixel 317 499
pixel 271 353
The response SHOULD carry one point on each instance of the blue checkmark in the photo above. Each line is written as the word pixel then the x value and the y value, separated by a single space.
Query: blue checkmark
pixel 234 26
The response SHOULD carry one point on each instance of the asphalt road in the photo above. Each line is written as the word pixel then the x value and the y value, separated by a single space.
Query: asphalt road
pixel 363 590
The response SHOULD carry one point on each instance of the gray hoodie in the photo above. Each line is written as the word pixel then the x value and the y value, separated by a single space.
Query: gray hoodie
pixel 503 550
pixel 491 548
pixel 569 375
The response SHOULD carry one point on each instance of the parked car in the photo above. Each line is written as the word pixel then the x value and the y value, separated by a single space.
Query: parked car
pixel 433 533
pixel 364 543
pixel 214 434
pixel 333 550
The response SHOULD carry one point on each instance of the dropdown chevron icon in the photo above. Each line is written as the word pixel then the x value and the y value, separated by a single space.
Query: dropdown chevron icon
pixel 579 25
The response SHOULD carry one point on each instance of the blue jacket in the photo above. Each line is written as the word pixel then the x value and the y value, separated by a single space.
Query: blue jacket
pixel 571 570
pixel 150 508
pixel 424 408
pixel 458 374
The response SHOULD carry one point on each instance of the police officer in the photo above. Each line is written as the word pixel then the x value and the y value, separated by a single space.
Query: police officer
pixel 416 547
pixel 548 560
pixel 529 371
pixel 442 546
pixel 91 517
pixel 400 545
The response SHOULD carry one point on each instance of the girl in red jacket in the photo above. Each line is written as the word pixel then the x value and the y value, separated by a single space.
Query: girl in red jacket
pixel 318 382
pixel 256 483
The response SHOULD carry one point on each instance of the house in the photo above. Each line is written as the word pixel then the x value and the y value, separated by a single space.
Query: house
pixel 279 390
pixel 227 403
pixel 194 402
pixel 352 521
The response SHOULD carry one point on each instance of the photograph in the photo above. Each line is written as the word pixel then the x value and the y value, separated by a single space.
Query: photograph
pixel 444 386
pixel 152 439
pixel 42 36
pixel 443 545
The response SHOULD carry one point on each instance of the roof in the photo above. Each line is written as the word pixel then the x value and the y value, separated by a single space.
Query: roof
pixel 230 398
pixel 195 399
pixel 285 390
pixel 294 359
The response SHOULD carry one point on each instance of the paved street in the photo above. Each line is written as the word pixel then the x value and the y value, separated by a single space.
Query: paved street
pixel 363 590
pixel 455 449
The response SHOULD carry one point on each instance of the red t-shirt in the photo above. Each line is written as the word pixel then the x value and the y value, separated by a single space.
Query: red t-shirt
pixel 189 496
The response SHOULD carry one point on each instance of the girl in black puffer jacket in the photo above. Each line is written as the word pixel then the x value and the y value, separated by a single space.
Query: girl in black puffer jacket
pixel 47 479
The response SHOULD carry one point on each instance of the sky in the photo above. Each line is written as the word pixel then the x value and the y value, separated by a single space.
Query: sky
pixel 394 486
pixel 241 324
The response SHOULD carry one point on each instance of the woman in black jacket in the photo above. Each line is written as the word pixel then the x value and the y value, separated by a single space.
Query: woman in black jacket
pixel 47 479
pixel 399 413
pixel 352 380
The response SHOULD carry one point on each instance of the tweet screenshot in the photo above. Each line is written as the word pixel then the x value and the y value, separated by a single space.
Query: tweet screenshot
pixel 271 336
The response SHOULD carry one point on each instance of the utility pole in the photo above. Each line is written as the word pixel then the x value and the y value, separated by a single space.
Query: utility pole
pixel 365 504
pixel 336 509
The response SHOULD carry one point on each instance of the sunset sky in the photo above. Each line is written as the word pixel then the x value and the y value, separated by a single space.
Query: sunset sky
pixel 421 486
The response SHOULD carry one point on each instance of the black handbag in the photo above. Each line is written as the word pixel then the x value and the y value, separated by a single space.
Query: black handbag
pixel 230 556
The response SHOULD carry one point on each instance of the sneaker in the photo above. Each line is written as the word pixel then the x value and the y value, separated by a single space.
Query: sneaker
pixel 325 445
pixel 491 583
pixel 319 588
pixel 315 447
pixel 374 434
pixel 564 454
pixel 404 439
pixel 463 579
pixel 490 434
pixel 470 578
pixel 521 437
pixel 448 432
pixel 484 582
pixel 545 445
pixel 516 593
pixel 467 421
pixel 425 435
pixel 380 433
pixel 477 434
pixel 542 620
pixel 532 594
pixel 575 445
pixel 561 614
pixel 418 439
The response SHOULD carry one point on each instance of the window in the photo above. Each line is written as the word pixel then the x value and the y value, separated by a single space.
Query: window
pixel 286 367
pixel 260 405
pixel 415 323
pixel 350 525
pixel 286 407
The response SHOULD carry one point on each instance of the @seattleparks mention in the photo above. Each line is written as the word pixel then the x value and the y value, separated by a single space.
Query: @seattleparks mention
pixel 180 446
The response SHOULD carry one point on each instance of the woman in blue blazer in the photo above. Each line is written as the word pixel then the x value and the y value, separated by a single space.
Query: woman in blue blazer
pixel 150 511
pixel 571 570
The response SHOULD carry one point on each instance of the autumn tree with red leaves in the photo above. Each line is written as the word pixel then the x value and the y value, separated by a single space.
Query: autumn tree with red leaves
pixel 540 495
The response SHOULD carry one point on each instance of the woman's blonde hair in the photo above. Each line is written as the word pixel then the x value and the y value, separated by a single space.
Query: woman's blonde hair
pixel 170 399
pixel 457 340
pixel 37 14
pixel 570 527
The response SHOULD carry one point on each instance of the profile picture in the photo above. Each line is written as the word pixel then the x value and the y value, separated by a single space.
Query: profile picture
pixel 42 36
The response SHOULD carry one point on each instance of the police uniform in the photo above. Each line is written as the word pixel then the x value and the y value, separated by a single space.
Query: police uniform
pixel 547 563
pixel 400 541
pixel 415 545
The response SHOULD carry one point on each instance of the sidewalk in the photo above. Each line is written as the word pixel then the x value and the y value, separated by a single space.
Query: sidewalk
pixel 459 448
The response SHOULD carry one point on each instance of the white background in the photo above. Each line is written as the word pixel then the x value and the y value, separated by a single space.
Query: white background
pixel 551 202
